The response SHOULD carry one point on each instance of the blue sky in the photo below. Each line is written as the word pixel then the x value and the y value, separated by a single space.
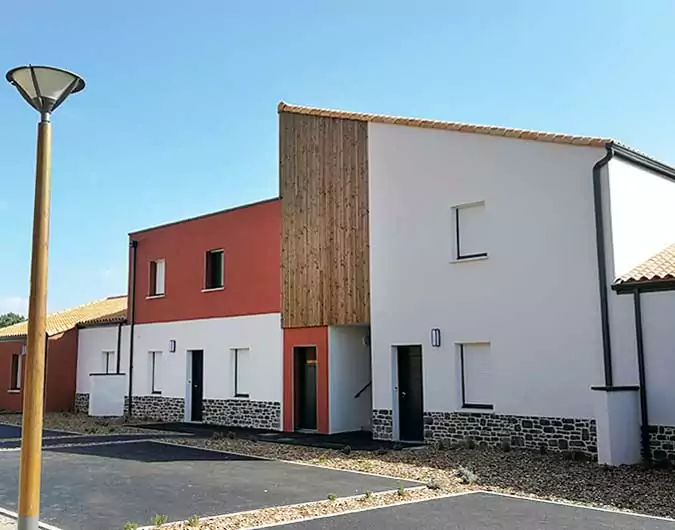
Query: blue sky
pixel 179 114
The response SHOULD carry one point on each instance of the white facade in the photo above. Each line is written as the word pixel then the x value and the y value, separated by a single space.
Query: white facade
pixel 260 377
pixel 349 374
pixel 218 338
pixel 533 298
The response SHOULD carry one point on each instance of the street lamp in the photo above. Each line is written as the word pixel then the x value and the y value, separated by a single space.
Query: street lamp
pixel 44 88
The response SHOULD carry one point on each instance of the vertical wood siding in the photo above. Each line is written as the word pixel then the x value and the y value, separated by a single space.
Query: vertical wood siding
pixel 323 183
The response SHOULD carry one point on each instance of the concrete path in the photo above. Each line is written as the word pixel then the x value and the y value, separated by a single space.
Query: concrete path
pixel 6 523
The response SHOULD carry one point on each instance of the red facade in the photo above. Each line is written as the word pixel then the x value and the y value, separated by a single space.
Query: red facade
pixel 249 237
pixel 61 373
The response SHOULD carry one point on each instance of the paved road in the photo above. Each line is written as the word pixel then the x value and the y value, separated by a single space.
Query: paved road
pixel 89 487
pixel 484 511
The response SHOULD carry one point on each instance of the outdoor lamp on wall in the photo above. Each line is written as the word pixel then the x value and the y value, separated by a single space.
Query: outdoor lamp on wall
pixel 44 88
pixel 172 346
pixel 435 337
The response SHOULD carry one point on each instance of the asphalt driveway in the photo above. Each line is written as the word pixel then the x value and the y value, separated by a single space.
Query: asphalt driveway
pixel 484 511
pixel 100 487
pixel 8 432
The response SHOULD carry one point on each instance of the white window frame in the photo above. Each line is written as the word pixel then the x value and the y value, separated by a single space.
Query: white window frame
pixel 457 250
pixel 154 387
pixel 462 376
pixel 109 362
pixel 235 354
pixel 19 364
pixel 154 284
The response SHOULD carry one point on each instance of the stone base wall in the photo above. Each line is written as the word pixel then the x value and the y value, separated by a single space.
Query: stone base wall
pixel 243 413
pixel 383 424
pixel 81 405
pixel 662 442
pixel 530 432
pixel 156 408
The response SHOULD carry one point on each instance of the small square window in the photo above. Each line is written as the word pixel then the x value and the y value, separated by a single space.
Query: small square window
pixel 157 277
pixel 15 373
pixel 215 270
pixel 155 362
pixel 470 231
pixel 109 364
pixel 242 371
pixel 476 375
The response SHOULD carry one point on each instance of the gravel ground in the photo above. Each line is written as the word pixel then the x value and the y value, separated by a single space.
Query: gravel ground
pixel 80 423
pixel 6 523
pixel 545 476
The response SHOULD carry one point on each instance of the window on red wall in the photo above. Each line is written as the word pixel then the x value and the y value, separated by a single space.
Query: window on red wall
pixel 157 274
pixel 15 373
pixel 215 270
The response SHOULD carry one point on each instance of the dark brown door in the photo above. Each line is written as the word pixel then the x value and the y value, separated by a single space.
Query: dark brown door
pixel 410 403
pixel 197 395
pixel 305 388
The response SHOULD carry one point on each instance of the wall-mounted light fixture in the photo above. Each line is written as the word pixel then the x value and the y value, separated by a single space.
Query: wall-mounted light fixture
pixel 435 337
pixel 172 346
pixel 23 350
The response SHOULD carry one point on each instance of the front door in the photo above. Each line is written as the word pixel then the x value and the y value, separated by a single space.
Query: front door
pixel 197 392
pixel 305 388
pixel 410 405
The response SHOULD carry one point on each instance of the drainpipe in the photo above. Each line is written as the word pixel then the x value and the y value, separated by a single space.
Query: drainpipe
pixel 602 263
pixel 119 347
pixel 132 322
pixel 644 414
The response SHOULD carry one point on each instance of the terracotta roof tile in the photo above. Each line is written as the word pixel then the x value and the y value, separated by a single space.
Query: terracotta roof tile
pixel 68 319
pixel 448 125
pixel 659 267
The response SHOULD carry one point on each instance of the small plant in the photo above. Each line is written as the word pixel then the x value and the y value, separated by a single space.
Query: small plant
pixel 332 496
pixel 381 451
pixel 433 484
pixel 158 520
pixel 505 445
pixel 217 435
pixel 367 495
pixel 322 458
pixel 469 443
pixel 347 449
pixel 130 525
pixel 400 491
pixel 231 435
pixel 542 449
pixel 466 475
pixel 193 521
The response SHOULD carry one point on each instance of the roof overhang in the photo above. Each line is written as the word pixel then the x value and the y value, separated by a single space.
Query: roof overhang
pixel 644 286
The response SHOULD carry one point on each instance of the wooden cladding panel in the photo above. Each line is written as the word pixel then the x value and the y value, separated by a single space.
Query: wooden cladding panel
pixel 323 183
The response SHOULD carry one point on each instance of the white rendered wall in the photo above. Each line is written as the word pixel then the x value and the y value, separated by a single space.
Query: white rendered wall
pixel 261 334
pixel 348 373
pixel 91 343
pixel 534 299
pixel 658 328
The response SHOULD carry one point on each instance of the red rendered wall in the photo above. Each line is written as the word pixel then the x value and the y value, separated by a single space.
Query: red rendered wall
pixel 251 238
pixel 314 336
pixel 61 373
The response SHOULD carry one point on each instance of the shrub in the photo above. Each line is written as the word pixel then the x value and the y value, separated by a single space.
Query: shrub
pixel 505 445
pixel 231 435
pixel 466 475
pixel 542 449
pixel 368 494
pixel 130 525
pixel 347 449
pixel 433 484
pixel 469 443
pixel 217 435
pixel 193 521
pixel 381 451
pixel 159 519
pixel 332 496
pixel 400 491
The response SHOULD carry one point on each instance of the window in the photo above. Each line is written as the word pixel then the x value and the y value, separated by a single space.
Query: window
pixel 470 233
pixel 15 373
pixel 476 373
pixel 155 362
pixel 242 372
pixel 157 275
pixel 109 364
pixel 215 270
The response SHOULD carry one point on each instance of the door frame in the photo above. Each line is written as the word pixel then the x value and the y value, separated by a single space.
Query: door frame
pixel 295 386
pixel 395 412
pixel 188 385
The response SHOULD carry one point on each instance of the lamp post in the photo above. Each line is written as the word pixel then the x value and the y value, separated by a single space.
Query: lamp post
pixel 44 88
